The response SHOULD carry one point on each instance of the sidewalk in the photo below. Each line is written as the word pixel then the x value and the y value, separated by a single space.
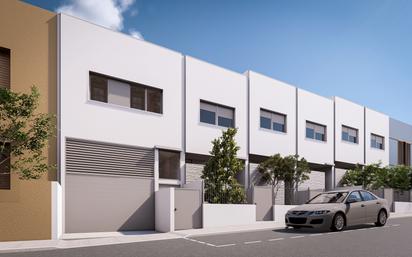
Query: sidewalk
pixel 97 239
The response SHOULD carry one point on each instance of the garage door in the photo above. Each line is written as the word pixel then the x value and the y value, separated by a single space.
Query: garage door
pixel 108 187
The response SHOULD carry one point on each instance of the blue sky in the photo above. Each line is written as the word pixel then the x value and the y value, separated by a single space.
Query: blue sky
pixel 360 50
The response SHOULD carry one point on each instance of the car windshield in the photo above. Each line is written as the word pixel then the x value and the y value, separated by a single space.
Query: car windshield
pixel 333 197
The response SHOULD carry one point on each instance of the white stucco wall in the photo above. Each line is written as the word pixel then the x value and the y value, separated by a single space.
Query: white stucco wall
pixel 217 215
pixel 276 96
pixel 164 209
pixel 318 109
pixel 211 83
pixel 352 115
pixel 86 47
pixel 376 123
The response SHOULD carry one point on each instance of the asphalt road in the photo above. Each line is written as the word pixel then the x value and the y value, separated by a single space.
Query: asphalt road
pixel 393 240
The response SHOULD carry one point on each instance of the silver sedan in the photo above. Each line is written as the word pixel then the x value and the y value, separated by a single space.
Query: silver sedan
pixel 339 209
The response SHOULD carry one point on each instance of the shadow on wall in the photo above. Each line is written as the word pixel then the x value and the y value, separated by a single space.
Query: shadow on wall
pixel 142 219
pixel 52 94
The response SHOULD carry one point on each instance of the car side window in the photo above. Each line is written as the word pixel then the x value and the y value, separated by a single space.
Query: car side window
pixel 367 196
pixel 355 197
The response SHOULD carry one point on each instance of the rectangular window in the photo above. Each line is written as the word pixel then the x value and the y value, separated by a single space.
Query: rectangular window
pixel 377 142
pixel 169 164
pixel 272 120
pixel 349 134
pixel 5 167
pixel 4 68
pixel 124 93
pixel 315 131
pixel 217 114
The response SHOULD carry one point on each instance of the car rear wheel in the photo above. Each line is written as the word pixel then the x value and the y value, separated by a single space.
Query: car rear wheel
pixel 382 218
pixel 338 222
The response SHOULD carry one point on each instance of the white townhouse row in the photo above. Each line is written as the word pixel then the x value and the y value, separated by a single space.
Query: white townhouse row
pixel 135 117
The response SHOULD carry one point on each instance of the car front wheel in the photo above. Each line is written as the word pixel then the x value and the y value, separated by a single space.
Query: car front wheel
pixel 382 218
pixel 338 222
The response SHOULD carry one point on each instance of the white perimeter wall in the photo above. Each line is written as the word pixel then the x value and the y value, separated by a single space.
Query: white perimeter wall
pixel 376 123
pixel 164 210
pixel 216 215
pixel 317 109
pixel 275 96
pixel 352 115
pixel 86 47
pixel 211 83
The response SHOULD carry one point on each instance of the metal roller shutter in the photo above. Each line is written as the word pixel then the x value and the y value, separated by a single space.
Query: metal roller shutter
pixel 108 159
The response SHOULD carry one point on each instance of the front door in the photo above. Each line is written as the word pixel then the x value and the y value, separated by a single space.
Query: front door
pixel 355 211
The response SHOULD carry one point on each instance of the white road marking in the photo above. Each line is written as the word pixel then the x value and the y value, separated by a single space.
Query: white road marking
pixel 276 239
pixel 252 242
pixel 218 246
pixel 282 238
pixel 294 237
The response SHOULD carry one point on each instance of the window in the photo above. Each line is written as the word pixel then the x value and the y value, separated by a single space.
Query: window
pixel 217 115
pixel 272 120
pixel 5 167
pixel 349 134
pixel 123 93
pixel 367 196
pixel 4 68
pixel 404 153
pixel 315 131
pixel 355 197
pixel 377 142
pixel 169 164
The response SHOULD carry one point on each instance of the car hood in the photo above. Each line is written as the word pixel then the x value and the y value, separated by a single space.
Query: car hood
pixel 317 207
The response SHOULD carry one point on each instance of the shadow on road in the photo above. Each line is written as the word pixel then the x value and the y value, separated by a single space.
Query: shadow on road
pixel 314 231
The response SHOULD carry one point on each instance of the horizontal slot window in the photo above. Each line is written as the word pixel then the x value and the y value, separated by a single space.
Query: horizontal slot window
pixel 123 93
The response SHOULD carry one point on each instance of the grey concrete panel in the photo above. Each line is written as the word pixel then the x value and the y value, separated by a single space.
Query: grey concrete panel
pixel 97 203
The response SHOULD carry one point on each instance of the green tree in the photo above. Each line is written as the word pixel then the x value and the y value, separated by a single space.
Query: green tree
pixel 399 177
pixel 24 133
pixel 290 169
pixel 220 171
pixel 365 176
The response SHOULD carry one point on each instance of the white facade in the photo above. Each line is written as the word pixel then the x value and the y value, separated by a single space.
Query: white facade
pixel 213 84
pixel 315 109
pixel 89 48
pixel 378 124
pixel 350 115
pixel 275 96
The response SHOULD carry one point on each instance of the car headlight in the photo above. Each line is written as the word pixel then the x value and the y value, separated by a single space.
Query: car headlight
pixel 318 212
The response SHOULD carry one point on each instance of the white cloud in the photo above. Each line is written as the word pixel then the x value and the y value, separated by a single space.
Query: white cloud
pixel 135 34
pixel 107 13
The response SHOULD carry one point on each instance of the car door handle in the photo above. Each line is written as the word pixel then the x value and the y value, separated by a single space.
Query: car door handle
pixel 378 203
pixel 362 205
